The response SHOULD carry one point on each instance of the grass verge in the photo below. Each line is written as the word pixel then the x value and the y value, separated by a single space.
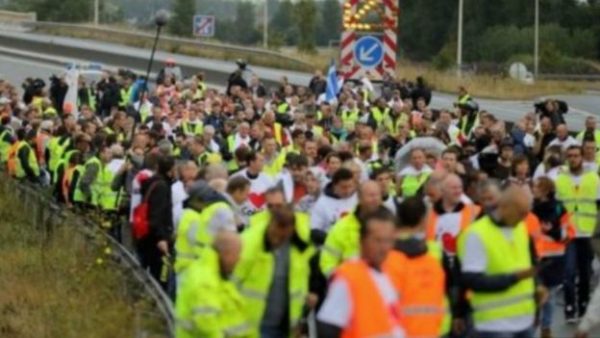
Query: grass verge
pixel 52 287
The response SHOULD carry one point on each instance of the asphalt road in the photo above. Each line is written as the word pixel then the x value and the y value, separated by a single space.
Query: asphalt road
pixel 510 110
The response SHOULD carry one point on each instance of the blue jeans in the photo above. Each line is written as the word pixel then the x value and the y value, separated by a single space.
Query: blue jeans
pixel 547 309
pixel 521 334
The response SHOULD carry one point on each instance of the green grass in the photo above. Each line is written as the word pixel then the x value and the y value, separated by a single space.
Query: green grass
pixel 52 287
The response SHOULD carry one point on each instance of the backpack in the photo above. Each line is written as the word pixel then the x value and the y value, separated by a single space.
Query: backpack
pixel 140 225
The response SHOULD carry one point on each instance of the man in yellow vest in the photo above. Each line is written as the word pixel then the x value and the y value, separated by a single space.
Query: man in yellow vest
pixel 208 303
pixel 361 301
pixel 274 159
pixel 273 272
pixel 206 213
pixel 27 167
pixel 580 192
pixel 6 139
pixel 498 265
pixel 590 132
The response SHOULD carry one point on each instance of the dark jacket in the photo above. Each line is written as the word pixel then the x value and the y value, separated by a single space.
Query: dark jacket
pixel 23 156
pixel 160 207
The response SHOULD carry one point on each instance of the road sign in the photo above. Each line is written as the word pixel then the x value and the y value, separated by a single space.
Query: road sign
pixel 204 26
pixel 368 51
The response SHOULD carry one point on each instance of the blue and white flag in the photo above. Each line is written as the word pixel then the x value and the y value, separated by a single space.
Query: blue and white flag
pixel 333 84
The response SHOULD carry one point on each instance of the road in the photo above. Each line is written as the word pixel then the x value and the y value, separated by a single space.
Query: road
pixel 510 110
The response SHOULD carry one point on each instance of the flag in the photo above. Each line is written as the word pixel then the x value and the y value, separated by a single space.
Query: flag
pixel 333 85
pixel 70 103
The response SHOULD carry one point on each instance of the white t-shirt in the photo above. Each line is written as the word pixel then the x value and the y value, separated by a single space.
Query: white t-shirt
pixel 565 144
pixel 258 186
pixel 178 196
pixel 475 261
pixel 337 307
pixel 328 210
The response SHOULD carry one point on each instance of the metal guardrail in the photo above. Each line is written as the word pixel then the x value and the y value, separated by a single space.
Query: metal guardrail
pixel 225 51
pixel 45 214
pixel 570 77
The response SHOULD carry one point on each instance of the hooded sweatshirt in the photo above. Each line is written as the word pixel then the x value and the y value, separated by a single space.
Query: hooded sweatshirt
pixel 329 208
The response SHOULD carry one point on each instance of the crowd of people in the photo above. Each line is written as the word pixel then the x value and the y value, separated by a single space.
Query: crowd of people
pixel 256 207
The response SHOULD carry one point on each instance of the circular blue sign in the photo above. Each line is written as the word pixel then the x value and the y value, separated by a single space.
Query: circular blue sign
pixel 368 51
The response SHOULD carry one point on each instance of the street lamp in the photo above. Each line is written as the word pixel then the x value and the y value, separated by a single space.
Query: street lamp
pixel 460 38
pixel 536 46
pixel 266 24
pixel 160 20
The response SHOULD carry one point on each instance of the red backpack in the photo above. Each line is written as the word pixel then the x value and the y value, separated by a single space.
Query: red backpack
pixel 140 224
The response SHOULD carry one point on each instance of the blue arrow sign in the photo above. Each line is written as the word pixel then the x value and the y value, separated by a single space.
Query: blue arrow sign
pixel 368 51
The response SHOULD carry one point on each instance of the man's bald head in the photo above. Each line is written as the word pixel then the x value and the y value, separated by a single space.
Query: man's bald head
pixel 228 246
pixel 452 189
pixel 433 187
pixel 513 205
pixel 369 196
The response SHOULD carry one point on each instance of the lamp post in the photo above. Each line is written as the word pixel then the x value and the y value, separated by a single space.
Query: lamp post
pixel 160 20
pixel 266 24
pixel 460 38
pixel 536 45
pixel 96 12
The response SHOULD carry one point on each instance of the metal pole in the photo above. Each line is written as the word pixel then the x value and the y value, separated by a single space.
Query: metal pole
pixel 460 38
pixel 96 12
pixel 266 24
pixel 145 87
pixel 536 46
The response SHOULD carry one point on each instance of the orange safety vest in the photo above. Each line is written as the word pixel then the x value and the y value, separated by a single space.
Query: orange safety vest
pixel 11 164
pixel 545 246
pixel 370 317
pixel 468 215
pixel 422 283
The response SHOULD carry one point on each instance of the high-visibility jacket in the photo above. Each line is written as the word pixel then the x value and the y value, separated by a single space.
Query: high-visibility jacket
pixel 50 113
pixel 580 200
pixel 11 162
pixel 421 283
pixel 317 131
pixel 57 149
pixel 448 239
pixel 283 108
pixel 254 273
pixel 102 193
pixel 62 163
pixel 342 243
pixel 126 94
pixel 546 246
pixel 78 195
pixel 209 305
pixel 378 114
pixel 273 168
pixel 192 129
pixel 596 137
pixel 370 315
pixel 394 126
pixel 464 124
pixel 412 183
pixel 503 256
pixel 193 235
pixel 278 130
pixel 4 146
pixel 464 99
pixel 350 117
pixel 120 136
pixel 32 161
pixel 67 179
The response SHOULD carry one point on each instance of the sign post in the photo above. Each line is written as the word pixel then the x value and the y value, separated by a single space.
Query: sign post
pixel 368 45
pixel 204 26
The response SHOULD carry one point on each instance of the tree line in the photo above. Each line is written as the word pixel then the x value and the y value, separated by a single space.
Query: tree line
pixel 496 33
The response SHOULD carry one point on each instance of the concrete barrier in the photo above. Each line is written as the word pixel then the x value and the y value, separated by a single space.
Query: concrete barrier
pixel 10 17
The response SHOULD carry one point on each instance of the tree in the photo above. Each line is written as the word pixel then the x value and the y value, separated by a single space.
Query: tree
pixel 330 24
pixel 183 16
pixel 282 26
pixel 305 13
pixel 245 22
pixel 56 10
